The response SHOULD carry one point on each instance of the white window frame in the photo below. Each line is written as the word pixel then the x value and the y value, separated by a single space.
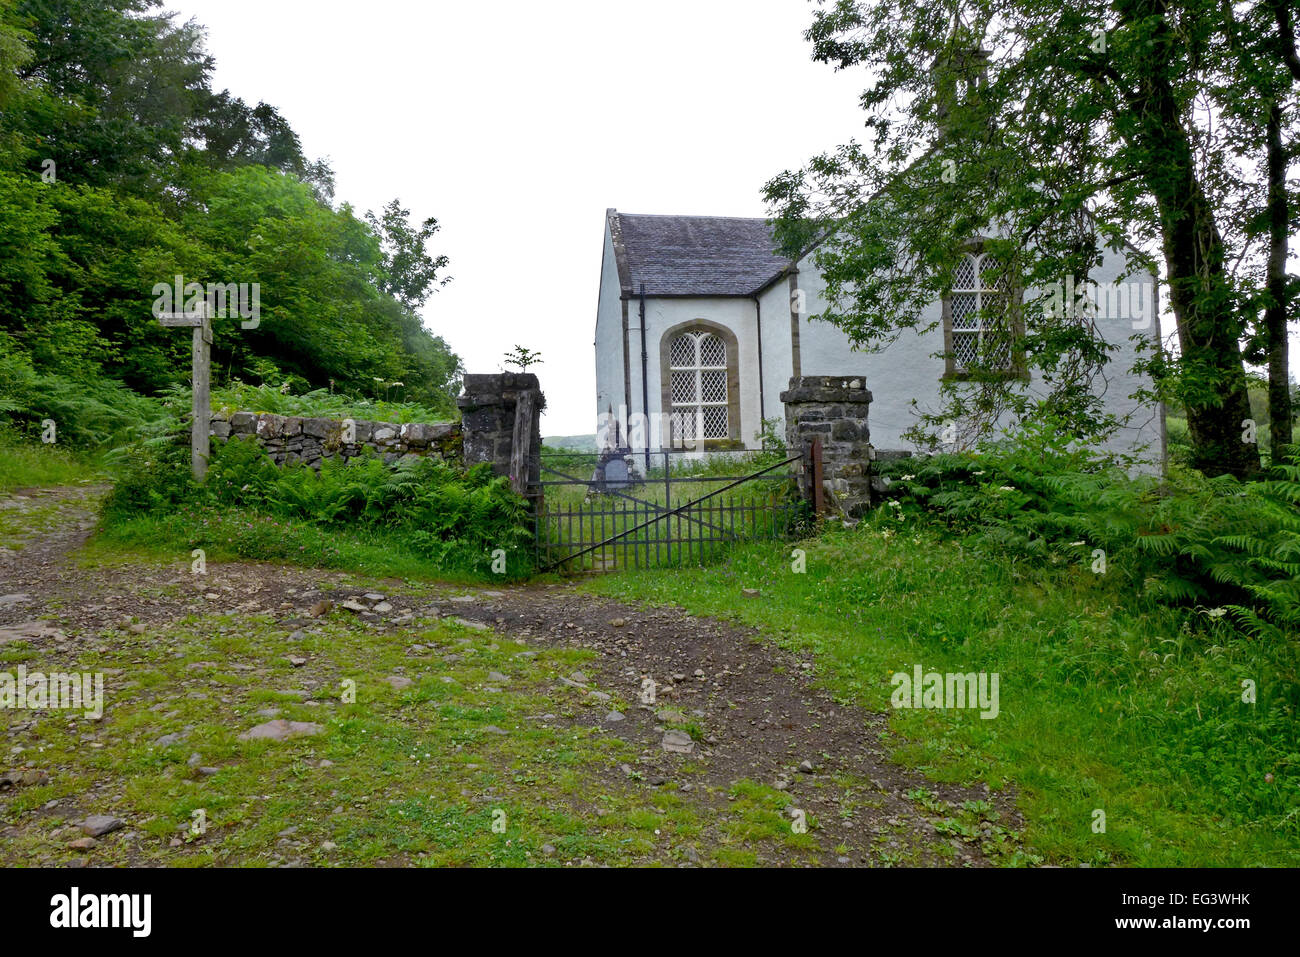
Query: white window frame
pixel 698 368
pixel 1000 325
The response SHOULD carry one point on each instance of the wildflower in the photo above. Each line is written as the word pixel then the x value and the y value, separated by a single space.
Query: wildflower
pixel 1006 488
pixel 906 478
pixel 1217 612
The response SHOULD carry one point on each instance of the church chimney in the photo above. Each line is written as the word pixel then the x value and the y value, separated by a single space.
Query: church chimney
pixel 960 72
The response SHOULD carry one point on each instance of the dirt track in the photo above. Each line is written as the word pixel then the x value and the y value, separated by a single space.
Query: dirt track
pixel 756 712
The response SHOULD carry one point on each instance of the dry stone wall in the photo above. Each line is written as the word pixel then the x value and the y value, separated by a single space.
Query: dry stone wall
pixel 486 433
pixel 287 438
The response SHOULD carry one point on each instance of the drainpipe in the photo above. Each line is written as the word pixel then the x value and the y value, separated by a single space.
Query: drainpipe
pixel 645 386
pixel 762 413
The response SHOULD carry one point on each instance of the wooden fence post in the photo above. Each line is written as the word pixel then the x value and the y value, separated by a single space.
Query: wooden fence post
pixel 818 491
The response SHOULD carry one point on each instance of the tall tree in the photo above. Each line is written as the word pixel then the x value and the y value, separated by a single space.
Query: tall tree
pixel 1070 127
pixel 114 89
pixel 229 133
pixel 408 271
pixel 1259 52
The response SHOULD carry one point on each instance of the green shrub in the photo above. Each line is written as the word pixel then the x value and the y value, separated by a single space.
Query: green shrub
pixel 452 519
pixel 1183 539
pixel 87 411
pixel 153 478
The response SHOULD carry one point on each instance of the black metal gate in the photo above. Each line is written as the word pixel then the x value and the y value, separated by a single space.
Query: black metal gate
pixel 683 512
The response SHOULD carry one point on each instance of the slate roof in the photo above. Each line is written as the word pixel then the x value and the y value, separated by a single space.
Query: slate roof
pixel 694 255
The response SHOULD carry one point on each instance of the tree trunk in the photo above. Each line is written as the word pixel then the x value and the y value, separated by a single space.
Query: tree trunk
pixel 1275 315
pixel 1213 378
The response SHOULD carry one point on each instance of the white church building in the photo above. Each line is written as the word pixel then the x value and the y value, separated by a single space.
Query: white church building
pixel 700 326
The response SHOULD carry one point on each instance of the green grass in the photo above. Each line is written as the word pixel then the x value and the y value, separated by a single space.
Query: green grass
pixel 227 534
pixel 1107 703
pixel 416 776
pixel 26 465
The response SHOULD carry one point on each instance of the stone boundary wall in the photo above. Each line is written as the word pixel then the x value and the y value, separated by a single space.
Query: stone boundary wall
pixel 288 438
pixel 487 432
pixel 834 409
pixel 488 411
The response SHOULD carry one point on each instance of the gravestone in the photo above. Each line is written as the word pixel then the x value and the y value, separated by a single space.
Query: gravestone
pixel 616 473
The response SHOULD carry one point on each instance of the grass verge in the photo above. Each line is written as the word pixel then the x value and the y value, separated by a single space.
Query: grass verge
pixel 27 465
pixel 1107 705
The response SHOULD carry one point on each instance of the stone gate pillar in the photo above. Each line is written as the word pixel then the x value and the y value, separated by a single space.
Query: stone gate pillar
pixel 834 409
pixel 501 424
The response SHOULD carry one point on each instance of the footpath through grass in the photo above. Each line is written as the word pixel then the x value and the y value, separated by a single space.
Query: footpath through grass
pixel 447 770
pixel 1108 706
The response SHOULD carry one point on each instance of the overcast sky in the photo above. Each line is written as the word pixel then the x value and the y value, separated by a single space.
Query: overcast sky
pixel 516 123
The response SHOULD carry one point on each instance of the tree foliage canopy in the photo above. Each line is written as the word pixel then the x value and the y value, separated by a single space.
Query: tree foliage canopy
pixel 1058 131
pixel 121 168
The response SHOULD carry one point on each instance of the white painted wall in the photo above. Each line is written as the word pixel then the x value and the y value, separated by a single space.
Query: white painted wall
pixel 777 362
pixel 609 336
pixel 904 371
pixel 908 369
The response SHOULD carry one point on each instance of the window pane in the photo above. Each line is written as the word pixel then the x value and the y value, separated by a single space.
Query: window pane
pixel 682 352
pixel 683 388
pixel 963 311
pixel 996 351
pixel 965 275
pixel 715 386
pixel 683 427
pixel 713 352
pixel 684 424
pixel 965 348
pixel 992 275
pixel 715 423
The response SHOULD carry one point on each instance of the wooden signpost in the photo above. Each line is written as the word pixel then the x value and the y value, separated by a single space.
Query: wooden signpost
pixel 202 365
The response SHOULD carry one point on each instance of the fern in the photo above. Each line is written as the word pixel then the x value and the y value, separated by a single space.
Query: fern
pixel 1184 539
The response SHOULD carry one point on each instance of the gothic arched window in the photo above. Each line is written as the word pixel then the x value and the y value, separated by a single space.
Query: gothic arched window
pixel 700 384
pixel 979 319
